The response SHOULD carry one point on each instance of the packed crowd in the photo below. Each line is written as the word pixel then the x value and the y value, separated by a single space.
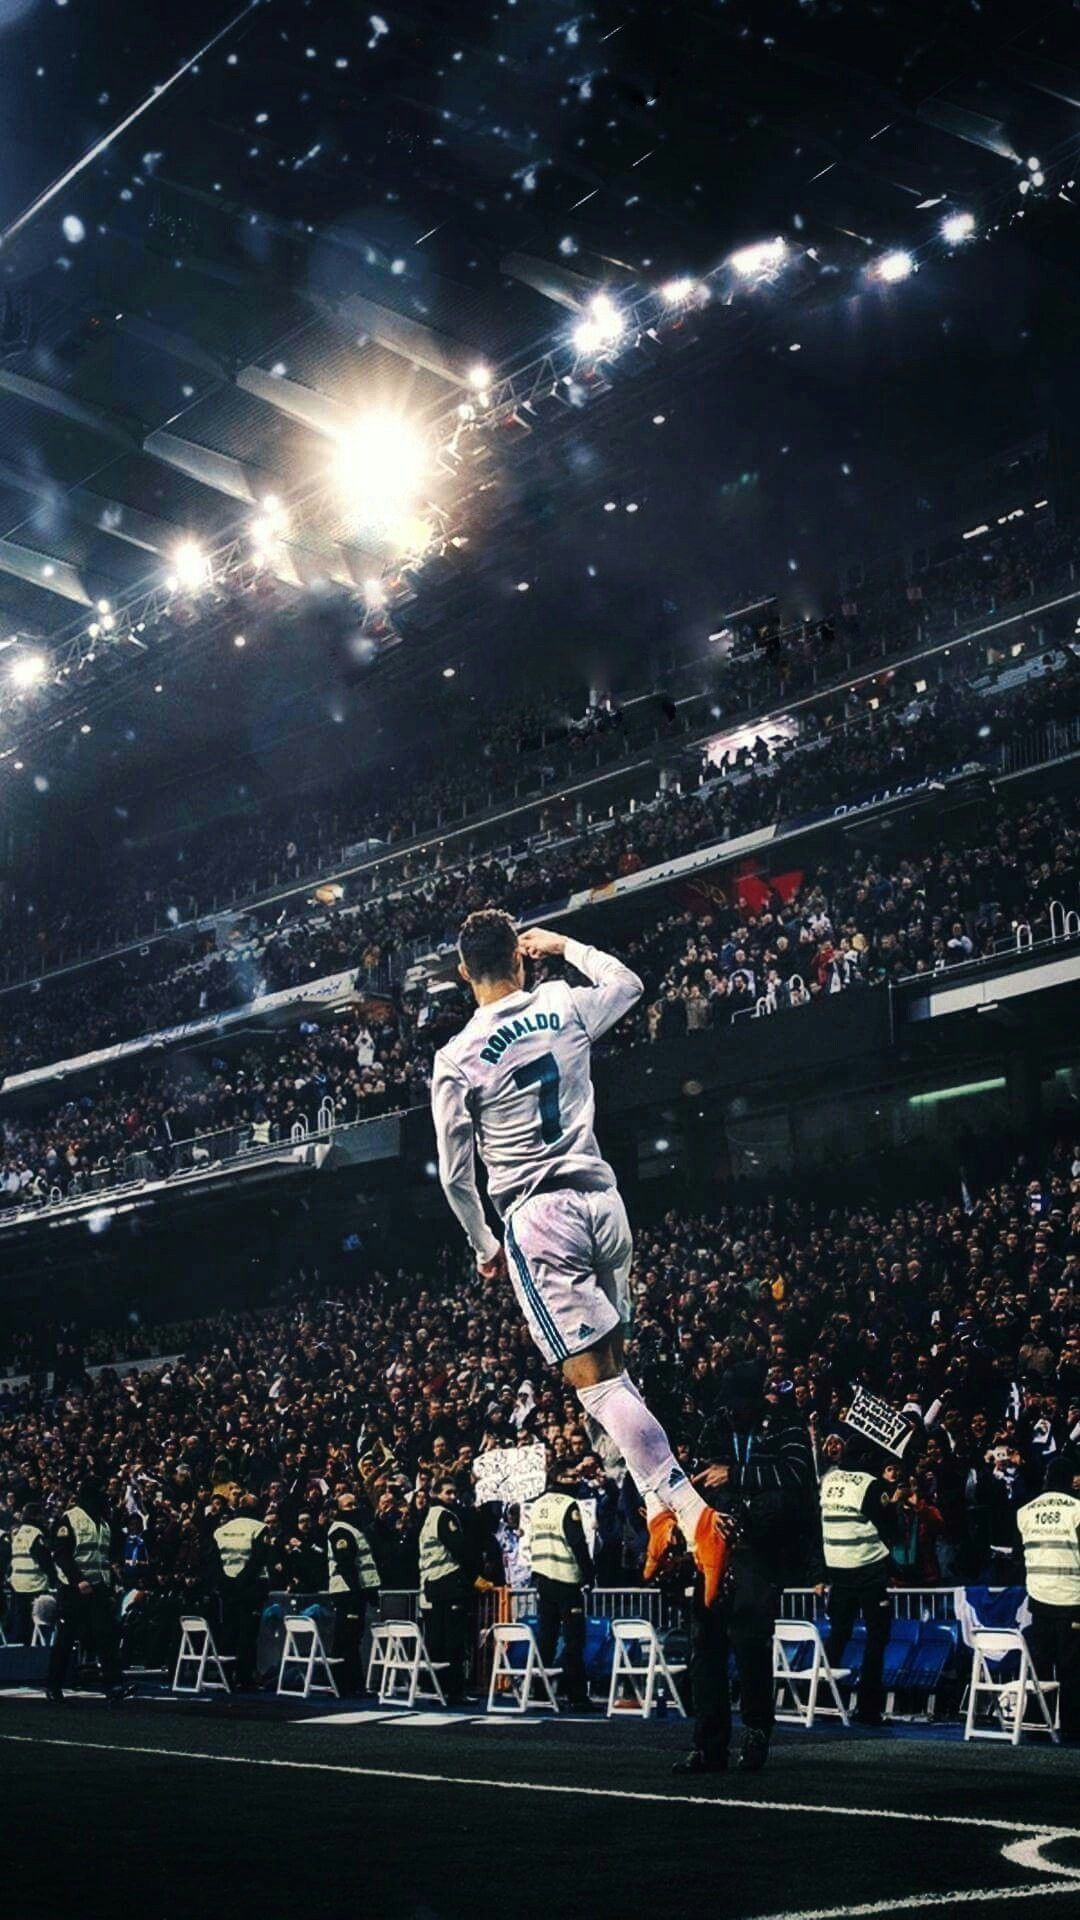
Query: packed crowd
pixel 811 935
pixel 904 741
pixel 818 933
pixel 967 1317
pixel 244 854
pixel 175 1114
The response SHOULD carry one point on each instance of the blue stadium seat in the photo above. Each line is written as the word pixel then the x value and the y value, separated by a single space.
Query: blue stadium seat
pixel 902 1643
pixel 931 1656
pixel 599 1648
pixel 855 1652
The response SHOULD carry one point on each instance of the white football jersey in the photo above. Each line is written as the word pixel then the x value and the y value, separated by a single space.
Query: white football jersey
pixel 516 1085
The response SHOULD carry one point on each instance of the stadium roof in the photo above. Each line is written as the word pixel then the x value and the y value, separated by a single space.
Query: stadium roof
pixel 333 209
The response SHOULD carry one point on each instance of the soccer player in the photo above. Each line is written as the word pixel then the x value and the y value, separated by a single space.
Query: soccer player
pixel 516 1086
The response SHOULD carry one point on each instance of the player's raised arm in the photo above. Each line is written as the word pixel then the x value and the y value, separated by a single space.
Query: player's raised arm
pixel 457 1159
pixel 613 988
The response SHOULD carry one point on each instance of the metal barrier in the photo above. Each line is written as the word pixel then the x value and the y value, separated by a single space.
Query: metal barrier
pixel 663 1610
pixel 908 1603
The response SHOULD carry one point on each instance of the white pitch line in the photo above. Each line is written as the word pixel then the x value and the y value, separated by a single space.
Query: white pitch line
pixel 1028 1854
pixel 923 1900
pixel 634 1794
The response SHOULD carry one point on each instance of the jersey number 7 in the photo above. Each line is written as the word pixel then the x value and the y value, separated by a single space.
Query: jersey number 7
pixel 544 1074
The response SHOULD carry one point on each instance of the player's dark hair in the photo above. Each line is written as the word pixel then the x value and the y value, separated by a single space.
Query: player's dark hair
pixel 487 944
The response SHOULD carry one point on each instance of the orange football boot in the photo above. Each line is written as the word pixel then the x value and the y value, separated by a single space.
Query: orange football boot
pixel 662 1528
pixel 711 1552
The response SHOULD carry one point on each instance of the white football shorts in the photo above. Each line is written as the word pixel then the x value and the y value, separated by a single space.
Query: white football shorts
pixel 569 1257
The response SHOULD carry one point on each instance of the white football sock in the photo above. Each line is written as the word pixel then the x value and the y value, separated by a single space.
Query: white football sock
pixel 617 1406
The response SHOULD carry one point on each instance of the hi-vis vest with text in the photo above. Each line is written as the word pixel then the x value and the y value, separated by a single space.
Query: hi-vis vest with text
pixel 550 1551
pixel 93 1540
pixel 235 1541
pixel 365 1563
pixel 25 1575
pixel 1050 1530
pixel 851 1540
pixel 436 1560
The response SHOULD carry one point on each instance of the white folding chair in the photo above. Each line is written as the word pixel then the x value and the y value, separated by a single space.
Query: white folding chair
pixel 996 1644
pixel 511 1687
pixel 380 1640
pixel 304 1652
pixel 198 1659
pixel 788 1679
pixel 408 1674
pixel 639 1664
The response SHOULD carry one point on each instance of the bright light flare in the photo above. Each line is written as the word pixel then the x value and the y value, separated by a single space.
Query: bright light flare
pixel 28 670
pixel 893 267
pixel 765 256
pixel 602 326
pixel 957 228
pixel 381 464
pixel 681 291
pixel 269 529
pixel 480 377
pixel 191 566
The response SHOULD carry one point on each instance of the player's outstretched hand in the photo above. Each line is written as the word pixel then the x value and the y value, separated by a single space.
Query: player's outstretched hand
pixel 535 942
pixel 493 1269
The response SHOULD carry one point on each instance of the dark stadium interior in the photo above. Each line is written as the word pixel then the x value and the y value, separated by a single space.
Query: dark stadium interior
pixel 616 466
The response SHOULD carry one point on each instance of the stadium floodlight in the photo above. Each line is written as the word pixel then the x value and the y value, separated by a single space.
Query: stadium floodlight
pixel 957 228
pixel 480 377
pixel 894 266
pixel 764 257
pixel 680 291
pixel 380 465
pixel 27 670
pixel 269 528
pixel 601 327
pixel 191 567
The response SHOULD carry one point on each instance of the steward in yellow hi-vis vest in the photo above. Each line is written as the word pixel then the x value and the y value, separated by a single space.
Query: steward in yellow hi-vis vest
pixel 445 1587
pixel 30 1573
pixel 354 1584
pixel 857 1528
pixel 1050 1535
pixel 562 1568
pixel 85 1548
pixel 240 1551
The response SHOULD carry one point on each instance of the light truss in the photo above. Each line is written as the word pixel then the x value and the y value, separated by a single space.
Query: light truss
pixel 461 432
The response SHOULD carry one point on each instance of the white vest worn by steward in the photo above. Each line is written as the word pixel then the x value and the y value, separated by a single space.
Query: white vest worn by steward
pixel 1050 1530
pixel 235 1542
pixel 436 1560
pixel 25 1575
pixel 550 1551
pixel 93 1540
pixel 851 1540
pixel 369 1573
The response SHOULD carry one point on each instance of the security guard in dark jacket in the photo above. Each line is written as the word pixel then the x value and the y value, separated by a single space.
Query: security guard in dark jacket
pixel 30 1573
pixel 758 1470
pixel 240 1549
pixel 354 1585
pixel 85 1548
pixel 446 1588
pixel 561 1568
pixel 858 1524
